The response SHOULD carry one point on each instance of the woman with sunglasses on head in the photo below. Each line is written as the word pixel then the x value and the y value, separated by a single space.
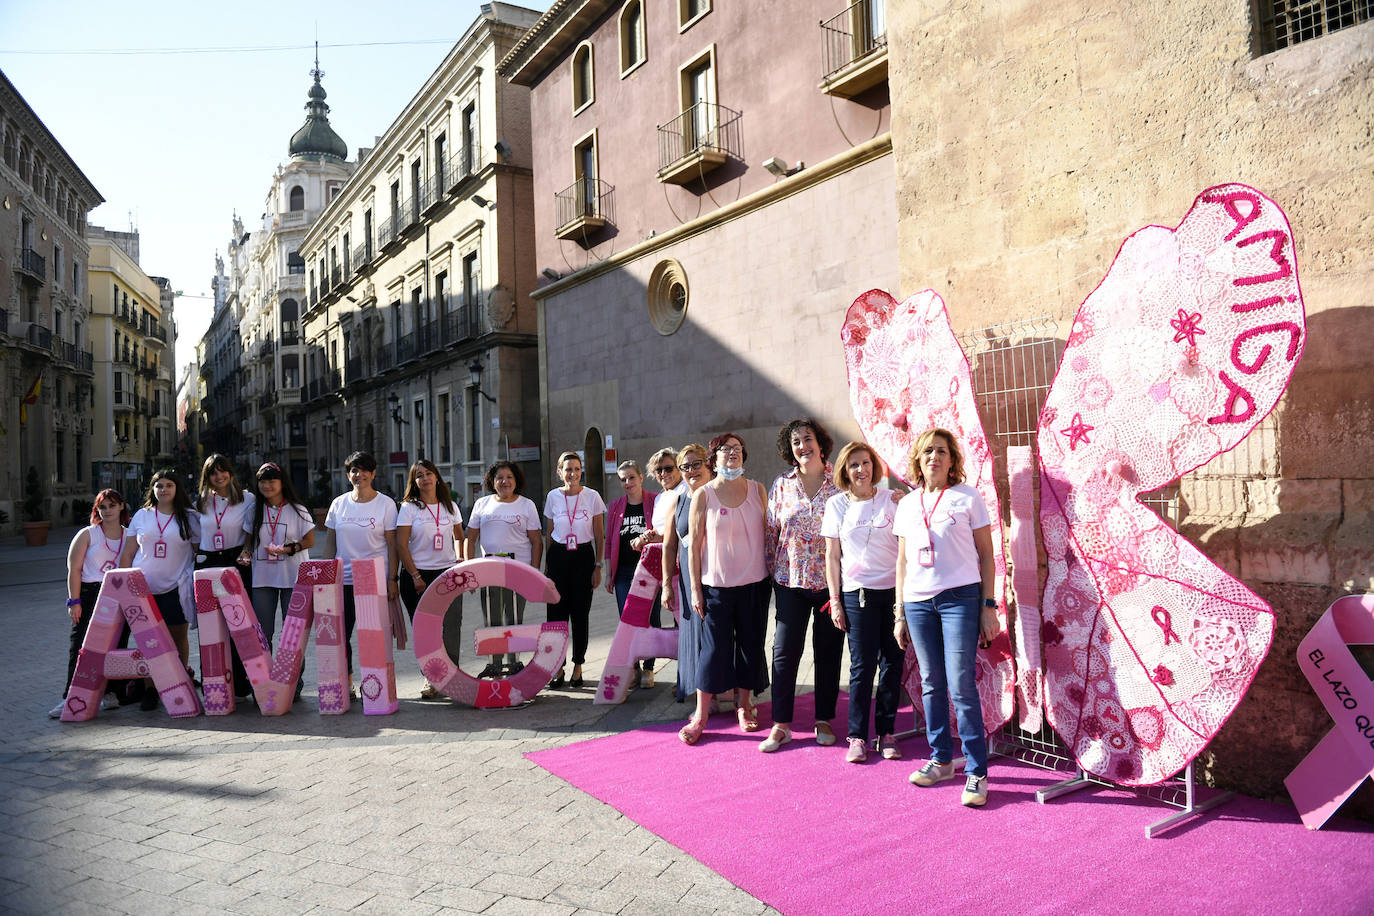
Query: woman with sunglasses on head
pixel 429 539
pixel 362 525
pixel 676 542
pixel 575 525
pixel 945 569
pixel 280 533
pixel 627 521
pixel 505 523
pixel 860 569
pixel 225 511
pixel 729 586
pixel 796 561
pixel 162 541
pixel 663 467
pixel 93 552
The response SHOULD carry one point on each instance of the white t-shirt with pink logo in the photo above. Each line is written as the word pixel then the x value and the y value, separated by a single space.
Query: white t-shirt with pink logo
pixel 505 527
pixel 573 514
pixel 421 522
pixel 868 546
pixel 954 514
pixel 360 529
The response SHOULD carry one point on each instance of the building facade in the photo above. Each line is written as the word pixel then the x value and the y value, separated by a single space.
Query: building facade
pixel 133 344
pixel 46 366
pixel 1031 140
pixel 713 185
pixel 420 338
pixel 187 451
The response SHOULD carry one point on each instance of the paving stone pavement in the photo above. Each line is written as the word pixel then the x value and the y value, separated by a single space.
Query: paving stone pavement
pixel 432 810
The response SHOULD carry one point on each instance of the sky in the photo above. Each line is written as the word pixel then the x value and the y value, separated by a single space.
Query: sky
pixel 177 135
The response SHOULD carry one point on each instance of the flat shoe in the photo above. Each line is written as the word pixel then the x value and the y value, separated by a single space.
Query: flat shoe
pixel 777 737
pixel 559 680
pixel 748 718
pixel 825 736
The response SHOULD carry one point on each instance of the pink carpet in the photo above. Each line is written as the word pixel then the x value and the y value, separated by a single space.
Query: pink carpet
pixel 807 832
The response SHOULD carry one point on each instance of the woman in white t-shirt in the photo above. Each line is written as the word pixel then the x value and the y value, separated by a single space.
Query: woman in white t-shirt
pixel 504 523
pixel 362 525
pixel 280 533
pixel 575 524
pixel 162 543
pixel 429 539
pixel 860 571
pixel 93 552
pixel 945 571
pixel 225 510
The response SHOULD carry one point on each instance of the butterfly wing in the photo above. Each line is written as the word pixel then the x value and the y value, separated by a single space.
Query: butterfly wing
pixel 1185 346
pixel 907 373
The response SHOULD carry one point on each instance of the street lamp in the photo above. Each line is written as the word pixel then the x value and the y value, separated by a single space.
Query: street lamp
pixel 475 377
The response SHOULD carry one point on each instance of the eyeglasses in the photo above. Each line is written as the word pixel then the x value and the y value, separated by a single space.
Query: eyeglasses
pixel 731 449
pixel 665 469
pixel 690 466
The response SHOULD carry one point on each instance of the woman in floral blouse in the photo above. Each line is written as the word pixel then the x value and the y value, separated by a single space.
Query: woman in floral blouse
pixel 796 561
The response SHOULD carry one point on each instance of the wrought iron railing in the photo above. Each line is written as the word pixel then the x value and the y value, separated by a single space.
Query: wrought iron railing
pixel 854 33
pixel 703 126
pixel 361 257
pixel 40 337
pixel 34 263
pixel 585 197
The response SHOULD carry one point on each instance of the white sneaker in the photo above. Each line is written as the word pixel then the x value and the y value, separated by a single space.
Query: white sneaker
pixel 108 702
pixel 975 792
pixel 56 711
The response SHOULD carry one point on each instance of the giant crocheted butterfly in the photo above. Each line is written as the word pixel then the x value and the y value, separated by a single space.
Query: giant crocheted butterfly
pixel 1185 346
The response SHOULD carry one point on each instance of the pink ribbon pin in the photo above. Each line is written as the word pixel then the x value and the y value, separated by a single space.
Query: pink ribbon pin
pixel 1344 758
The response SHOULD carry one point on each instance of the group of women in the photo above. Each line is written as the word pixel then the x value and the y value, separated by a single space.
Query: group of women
pixel 829 546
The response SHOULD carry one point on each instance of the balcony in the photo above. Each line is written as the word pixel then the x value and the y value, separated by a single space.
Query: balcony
pixel 40 337
pixel 288 396
pixel 697 141
pixel 123 401
pixel 33 264
pixel 854 49
pixel 70 353
pixel 353 370
pixel 388 232
pixel 584 207
pixel 155 335
pixel 291 283
pixel 409 215
pixel 383 360
pixel 361 256
pixel 334 276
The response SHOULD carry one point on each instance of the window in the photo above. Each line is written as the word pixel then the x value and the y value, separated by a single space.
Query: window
pixel 79 442
pixel 668 293
pixel 290 313
pixel 583 79
pixel 1287 22
pixel 441 415
pixel 367 232
pixel 472 280
pixel 689 11
pixel 698 88
pixel 296 199
pixel 395 204
pixel 474 425
pixel 290 371
pixel 441 293
pixel 470 150
pixel 585 172
pixel 295 264
pixel 416 177
pixel 76 277
pixel 347 255
pixel 418 427
pixel 440 164
pixel 57 271
pixel 632 52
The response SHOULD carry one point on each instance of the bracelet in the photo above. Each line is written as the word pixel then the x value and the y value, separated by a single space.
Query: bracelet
pixel 73 602
pixel 396 578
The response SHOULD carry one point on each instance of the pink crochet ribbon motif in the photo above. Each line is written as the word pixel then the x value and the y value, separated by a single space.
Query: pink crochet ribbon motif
pixel 907 374
pixel 1185 346
pixel 634 638
pixel 1334 769
pixel 1025 587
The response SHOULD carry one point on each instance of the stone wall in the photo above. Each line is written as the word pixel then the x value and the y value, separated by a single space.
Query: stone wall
pixel 1032 138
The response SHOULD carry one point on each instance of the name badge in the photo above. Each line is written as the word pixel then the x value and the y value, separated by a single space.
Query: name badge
pixel 926 556
pixel 438 542
pixel 107 566
pixel 572 542
pixel 274 556
pixel 217 541
pixel 160 550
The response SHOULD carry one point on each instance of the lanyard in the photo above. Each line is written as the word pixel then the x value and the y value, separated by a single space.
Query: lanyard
pixel 219 516
pixel 572 516
pixel 435 513
pixel 113 550
pixel 272 520
pixel 161 526
pixel 926 516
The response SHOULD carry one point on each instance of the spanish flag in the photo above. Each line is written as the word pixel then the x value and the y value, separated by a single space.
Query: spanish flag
pixel 30 398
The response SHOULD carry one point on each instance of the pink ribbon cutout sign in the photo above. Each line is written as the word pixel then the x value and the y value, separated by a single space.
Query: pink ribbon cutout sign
pixel 1343 759
pixel 550 638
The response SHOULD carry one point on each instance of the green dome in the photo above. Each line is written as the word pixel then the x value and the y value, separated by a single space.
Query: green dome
pixel 316 139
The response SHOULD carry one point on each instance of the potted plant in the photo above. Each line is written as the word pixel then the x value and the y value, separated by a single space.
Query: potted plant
pixel 36 523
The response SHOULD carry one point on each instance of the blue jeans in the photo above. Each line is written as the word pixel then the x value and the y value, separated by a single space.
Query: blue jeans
pixel 944 631
pixel 872 646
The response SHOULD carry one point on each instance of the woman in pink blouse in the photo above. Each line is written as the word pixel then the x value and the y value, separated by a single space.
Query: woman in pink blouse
pixel 796 561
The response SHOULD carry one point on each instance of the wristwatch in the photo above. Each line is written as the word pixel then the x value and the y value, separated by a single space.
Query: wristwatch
pixel 990 603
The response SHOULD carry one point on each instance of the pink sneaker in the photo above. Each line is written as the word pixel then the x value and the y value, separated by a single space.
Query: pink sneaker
pixel 858 751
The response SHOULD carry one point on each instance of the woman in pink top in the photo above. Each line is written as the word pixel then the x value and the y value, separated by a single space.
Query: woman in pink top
pixel 729 585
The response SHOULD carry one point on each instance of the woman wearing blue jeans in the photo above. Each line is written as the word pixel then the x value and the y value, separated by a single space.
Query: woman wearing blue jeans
pixel 945 571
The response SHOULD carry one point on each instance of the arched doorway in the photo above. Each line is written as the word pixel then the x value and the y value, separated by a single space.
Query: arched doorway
pixel 594 465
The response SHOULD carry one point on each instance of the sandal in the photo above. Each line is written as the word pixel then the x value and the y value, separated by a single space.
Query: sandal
pixel 748 718
pixel 691 732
